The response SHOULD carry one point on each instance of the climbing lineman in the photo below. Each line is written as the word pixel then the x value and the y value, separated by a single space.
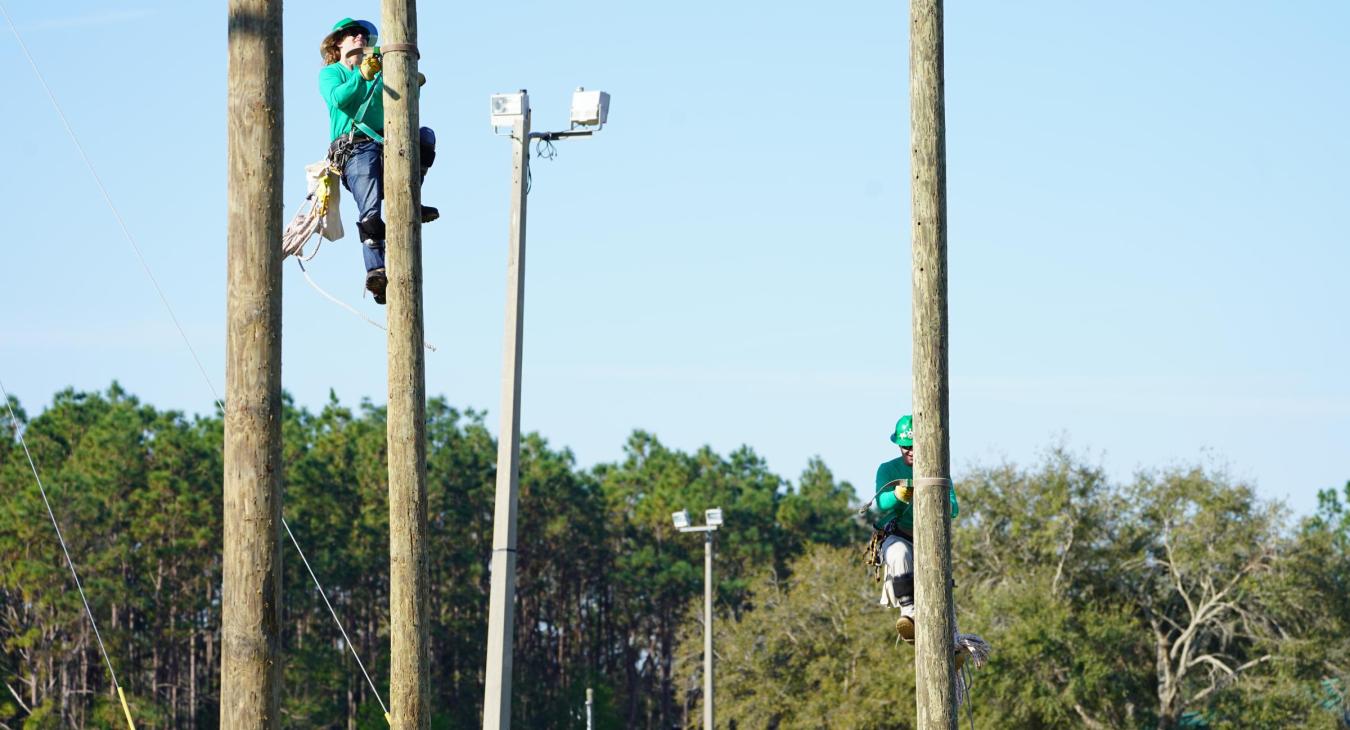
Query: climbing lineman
pixel 352 85
pixel 891 552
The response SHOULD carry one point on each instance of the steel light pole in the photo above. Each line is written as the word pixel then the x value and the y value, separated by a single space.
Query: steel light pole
pixel 589 112
pixel 590 702
pixel 713 518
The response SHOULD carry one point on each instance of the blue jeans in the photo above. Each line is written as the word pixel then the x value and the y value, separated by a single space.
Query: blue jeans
pixel 363 176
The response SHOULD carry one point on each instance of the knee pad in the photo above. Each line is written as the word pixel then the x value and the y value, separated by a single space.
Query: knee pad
pixel 427 140
pixel 371 228
pixel 903 587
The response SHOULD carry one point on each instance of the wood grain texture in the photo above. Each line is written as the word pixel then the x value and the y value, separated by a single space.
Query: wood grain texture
pixel 409 614
pixel 936 695
pixel 250 613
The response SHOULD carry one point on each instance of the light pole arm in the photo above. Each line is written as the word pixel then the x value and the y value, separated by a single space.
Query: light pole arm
pixel 555 136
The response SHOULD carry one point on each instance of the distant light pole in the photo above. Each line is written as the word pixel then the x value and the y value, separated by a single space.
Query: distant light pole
pixel 589 112
pixel 713 518
pixel 590 702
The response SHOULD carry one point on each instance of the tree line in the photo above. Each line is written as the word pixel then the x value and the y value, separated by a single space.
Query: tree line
pixel 1177 599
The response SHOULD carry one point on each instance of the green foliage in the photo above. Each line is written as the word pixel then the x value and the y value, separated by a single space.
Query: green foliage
pixel 1178 598
pixel 603 577
pixel 816 652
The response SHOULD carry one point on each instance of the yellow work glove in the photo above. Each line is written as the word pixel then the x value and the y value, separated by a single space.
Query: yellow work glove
pixel 369 67
pixel 904 492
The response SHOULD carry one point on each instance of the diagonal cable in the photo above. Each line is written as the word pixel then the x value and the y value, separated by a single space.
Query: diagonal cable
pixel 345 638
pixel 347 306
pixel 99 181
pixel 187 342
pixel 65 550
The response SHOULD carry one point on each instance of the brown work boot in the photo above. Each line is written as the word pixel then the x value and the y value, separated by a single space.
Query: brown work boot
pixel 905 627
pixel 376 281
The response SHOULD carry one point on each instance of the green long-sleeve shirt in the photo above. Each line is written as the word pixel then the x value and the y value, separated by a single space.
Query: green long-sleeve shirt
pixel 889 505
pixel 345 91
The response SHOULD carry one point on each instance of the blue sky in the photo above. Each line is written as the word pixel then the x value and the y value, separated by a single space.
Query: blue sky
pixel 1147 223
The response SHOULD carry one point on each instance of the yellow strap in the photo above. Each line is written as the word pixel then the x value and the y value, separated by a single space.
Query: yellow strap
pixel 125 709
pixel 322 193
pixel 386 719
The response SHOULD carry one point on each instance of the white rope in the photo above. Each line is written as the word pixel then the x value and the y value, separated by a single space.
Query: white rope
pixel 304 224
pixel 345 305
pixel 345 638
pixel 182 333
pixel 59 537
pixel 978 651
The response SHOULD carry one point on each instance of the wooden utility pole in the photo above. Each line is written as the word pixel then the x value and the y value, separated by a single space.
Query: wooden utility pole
pixel 250 663
pixel 934 634
pixel 409 672
pixel 502 599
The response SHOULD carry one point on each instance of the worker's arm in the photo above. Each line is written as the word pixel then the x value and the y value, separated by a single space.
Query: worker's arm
pixel 346 95
pixel 886 501
pixel 956 508
pixel 892 494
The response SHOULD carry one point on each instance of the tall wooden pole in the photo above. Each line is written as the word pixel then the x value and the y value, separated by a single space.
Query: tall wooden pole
pixel 409 672
pixel 250 664
pixel 936 691
pixel 501 601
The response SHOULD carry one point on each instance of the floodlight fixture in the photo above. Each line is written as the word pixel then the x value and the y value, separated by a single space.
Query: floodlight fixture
pixel 589 108
pixel 681 519
pixel 713 517
pixel 506 109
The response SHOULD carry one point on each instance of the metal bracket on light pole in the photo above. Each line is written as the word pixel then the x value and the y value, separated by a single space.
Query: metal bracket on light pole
pixel 555 136
pixel 932 482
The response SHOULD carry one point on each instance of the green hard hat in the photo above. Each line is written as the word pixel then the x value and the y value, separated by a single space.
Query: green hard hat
pixel 904 432
pixel 366 25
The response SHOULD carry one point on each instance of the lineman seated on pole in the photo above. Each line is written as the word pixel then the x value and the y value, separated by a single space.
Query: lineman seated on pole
pixel 352 86
pixel 892 547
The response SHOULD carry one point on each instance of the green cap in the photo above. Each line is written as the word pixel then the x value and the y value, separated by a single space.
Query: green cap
pixel 904 432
